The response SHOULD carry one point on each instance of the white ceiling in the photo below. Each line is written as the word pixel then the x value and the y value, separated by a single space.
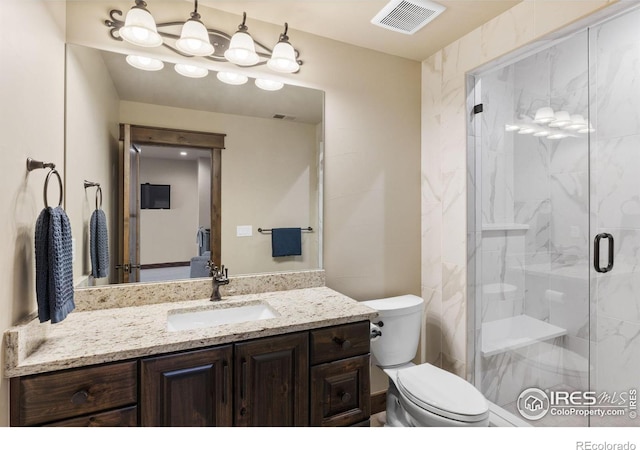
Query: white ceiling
pixel 349 21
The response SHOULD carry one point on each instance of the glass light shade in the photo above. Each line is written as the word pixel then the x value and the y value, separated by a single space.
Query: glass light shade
pixel 269 85
pixel 577 122
pixel 542 133
pixel 562 119
pixel 190 71
pixel 526 130
pixel 586 129
pixel 510 127
pixel 242 50
pixel 556 136
pixel 283 58
pixel 144 63
pixel 544 115
pixel 232 78
pixel 194 39
pixel 140 29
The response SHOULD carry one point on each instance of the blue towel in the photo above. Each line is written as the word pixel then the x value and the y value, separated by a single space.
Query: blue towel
pixel 99 244
pixel 286 242
pixel 54 269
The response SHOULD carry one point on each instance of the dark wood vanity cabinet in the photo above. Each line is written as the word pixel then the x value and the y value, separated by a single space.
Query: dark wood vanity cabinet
pixel 318 377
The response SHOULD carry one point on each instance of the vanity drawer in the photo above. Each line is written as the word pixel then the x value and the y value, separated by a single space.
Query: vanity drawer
pixel 342 341
pixel 125 417
pixel 39 399
pixel 340 392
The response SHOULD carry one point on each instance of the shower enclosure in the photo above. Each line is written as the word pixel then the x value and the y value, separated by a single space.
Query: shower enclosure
pixel 554 229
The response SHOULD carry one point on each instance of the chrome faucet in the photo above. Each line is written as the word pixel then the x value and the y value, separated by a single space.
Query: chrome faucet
pixel 220 278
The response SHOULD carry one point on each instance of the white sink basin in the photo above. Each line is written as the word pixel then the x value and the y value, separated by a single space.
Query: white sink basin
pixel 192 319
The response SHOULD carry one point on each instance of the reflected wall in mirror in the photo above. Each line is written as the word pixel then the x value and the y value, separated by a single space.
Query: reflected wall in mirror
pixel 270 166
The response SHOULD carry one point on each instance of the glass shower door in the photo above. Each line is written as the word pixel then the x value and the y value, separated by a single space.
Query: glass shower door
pixel 532 286
pixel 615 213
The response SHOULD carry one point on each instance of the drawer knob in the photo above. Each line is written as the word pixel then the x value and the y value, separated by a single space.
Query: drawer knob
pixel 345 397
pixel 344 343
pixel 80 397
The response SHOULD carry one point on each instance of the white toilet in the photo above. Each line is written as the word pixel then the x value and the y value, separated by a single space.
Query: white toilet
pixel 419 395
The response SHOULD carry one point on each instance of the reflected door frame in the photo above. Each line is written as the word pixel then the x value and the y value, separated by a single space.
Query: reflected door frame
pixel 131 135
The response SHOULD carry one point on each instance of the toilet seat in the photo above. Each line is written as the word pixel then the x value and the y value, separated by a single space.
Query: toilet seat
pixel 440 392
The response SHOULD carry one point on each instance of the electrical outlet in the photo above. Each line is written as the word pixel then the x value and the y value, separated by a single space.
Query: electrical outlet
pixel 244 230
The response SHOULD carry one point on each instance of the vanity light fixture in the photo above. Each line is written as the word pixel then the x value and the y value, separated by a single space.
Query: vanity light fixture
pixel 144 63
pixel 139 28
pixel 194 39
pixel 191 71
pixel 269 85
pixel 234 78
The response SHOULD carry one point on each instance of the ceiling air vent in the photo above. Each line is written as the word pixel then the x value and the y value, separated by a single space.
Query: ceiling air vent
pixel 284 117
pixel 407 16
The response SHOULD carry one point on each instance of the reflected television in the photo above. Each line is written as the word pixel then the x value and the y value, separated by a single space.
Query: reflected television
pixel 155 196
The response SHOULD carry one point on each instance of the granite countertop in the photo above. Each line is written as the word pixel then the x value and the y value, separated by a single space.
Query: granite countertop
pixel 113 334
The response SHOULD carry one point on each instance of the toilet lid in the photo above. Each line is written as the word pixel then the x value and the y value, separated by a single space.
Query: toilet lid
pixel 442 393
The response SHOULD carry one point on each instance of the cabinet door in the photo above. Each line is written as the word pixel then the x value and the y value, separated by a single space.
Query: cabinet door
pixel 340 392
pixel 187 389
pixel 272 381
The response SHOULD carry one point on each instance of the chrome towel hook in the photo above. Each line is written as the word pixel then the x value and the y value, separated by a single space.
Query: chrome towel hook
pixel 32 164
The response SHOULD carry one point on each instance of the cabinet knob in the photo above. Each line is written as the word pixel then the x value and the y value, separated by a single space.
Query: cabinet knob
pixel 80 397
pixel 344 343
pixel 243 411
pixel 345 397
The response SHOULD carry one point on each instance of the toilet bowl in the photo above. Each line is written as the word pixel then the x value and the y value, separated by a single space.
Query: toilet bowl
pixel 419 395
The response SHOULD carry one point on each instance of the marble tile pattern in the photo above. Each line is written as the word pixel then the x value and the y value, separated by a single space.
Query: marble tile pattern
pixel 113 334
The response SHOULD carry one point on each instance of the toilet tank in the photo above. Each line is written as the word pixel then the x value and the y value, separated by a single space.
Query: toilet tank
pixel 401 319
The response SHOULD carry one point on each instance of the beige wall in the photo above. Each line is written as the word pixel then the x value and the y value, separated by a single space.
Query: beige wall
pixel 169 235
pixel 444 168
pixel 32 125
pixel 269 179
pixel 91 149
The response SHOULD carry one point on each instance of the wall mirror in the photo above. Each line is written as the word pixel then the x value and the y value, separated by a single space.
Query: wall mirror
pixel 271 166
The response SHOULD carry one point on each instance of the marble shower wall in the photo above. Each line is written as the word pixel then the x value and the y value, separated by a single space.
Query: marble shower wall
pixel 446 175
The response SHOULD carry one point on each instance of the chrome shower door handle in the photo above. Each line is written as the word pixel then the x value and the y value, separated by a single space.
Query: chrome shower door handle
pixel 596 253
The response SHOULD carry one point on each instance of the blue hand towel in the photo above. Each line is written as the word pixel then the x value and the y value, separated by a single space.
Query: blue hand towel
pixel 99 244
pixel 54 268
pixel 286 242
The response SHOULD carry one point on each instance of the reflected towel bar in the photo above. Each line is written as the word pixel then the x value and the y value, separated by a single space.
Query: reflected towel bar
pixel 266 230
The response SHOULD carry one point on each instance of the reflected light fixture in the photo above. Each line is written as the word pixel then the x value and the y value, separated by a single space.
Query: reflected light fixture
pixel 144 63
pixel 234 78
pixel 242 49
pixel 140 28
pixel 283 58
pixel 269 85
pixel 194 38
pixel 544 115
pixel 191 71
pixel 562 119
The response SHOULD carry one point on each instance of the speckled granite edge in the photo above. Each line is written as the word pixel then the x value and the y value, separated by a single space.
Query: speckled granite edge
pixel 138 294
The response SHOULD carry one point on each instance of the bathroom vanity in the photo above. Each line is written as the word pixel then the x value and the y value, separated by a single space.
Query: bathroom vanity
pixel 307 366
